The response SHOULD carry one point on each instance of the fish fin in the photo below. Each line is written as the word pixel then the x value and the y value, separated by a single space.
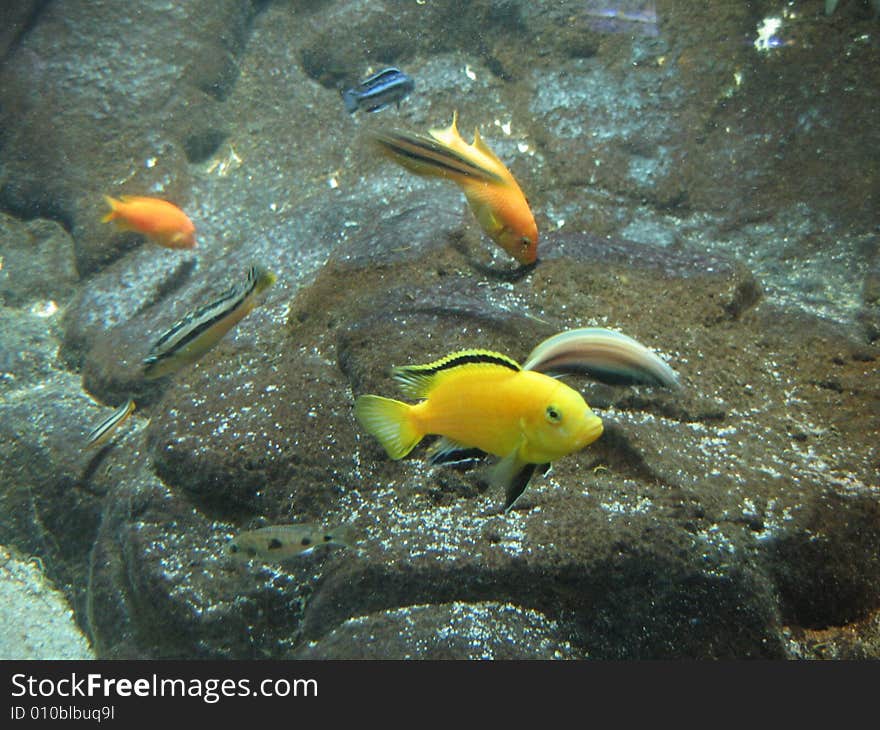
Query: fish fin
pixel 482 201
pixel 344 534
pixel 428 156
pixel 447 451
pixel 416 381
pixel 388 420
pixel 605 355
pixel 513 475
pixel 111 215
pixel 449 135
pixel 480 145
pixel 350 100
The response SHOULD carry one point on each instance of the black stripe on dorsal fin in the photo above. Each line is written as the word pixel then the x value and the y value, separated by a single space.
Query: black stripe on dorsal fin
pixel 417 380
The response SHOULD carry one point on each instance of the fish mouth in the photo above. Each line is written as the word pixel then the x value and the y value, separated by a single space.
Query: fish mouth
pixel 593 429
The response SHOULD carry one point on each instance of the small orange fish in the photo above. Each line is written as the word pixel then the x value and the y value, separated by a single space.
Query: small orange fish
pixel 159 220
pixel 491 191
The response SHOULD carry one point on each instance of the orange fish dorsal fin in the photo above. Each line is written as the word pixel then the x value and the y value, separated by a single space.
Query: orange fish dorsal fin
pixel 483 148
pixel 450 136
pixel 417 381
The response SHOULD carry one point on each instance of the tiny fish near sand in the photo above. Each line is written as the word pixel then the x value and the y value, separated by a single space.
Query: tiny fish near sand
pixel 277 543
pixel 200 330
pixel 389 86
pixel 104 430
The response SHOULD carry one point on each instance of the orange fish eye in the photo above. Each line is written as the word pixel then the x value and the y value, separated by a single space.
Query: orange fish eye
pixel 525 242
pixel 553 414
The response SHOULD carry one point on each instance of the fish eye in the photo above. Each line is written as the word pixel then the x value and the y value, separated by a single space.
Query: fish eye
pixel 553 414
pixel 328 538
pixel 305 542
pixel 525 242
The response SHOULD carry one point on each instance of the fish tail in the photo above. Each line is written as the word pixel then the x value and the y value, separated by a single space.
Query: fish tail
pixel 345 535
pixel 390 422
pixel 349 99
pixel 113 203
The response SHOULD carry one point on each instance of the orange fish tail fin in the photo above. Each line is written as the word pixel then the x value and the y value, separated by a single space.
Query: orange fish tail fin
pixel 390 422
pixel 113 203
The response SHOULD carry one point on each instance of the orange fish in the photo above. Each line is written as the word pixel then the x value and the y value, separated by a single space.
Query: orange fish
pixel 491 191
pixel 159 220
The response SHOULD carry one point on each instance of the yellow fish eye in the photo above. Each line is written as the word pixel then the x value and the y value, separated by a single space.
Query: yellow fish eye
pixel 553 414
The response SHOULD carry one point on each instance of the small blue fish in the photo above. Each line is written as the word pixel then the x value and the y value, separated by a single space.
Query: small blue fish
pixel 389 86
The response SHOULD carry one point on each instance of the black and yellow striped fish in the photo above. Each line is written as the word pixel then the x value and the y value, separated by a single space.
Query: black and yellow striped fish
pixel 104 430
pixel 200 330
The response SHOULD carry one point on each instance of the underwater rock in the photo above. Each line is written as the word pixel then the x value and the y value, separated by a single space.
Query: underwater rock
pixel 28 347
pixel 723 520
pixel 159 585
pixel 89 89
pixel 447 631
pixel 38 262
pixel 668 521
pixel 49 505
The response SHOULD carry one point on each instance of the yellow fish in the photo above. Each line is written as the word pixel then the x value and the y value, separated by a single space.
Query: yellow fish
pixel 477 399
pixel 491 191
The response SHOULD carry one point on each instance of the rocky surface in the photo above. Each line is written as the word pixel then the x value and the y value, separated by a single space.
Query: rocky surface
pixel 689 193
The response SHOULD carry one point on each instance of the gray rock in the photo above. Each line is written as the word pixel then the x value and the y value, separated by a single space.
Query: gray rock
pixel 451 631
pixel 104 102
pixel 38 262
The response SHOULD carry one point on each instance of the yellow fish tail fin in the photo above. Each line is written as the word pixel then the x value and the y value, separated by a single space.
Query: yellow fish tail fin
pixel 389 421
pixel 113 203
pixel 429 156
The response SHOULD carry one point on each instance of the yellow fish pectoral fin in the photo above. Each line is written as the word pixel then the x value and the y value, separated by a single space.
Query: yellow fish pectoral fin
pixel 480 203
pixel 513 474
pixel 448 451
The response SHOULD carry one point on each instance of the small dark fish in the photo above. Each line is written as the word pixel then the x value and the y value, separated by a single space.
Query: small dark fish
pixel 389 86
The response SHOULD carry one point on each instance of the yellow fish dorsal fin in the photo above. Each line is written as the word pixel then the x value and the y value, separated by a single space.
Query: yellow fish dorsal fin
pixel 483 148
pixel 450 136
pixel 417 381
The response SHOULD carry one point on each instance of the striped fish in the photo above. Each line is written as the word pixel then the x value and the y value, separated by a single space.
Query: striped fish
pixel 203 328
pixel 608 356
pixel 493 194
pixel 389 86
pixel 103 431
